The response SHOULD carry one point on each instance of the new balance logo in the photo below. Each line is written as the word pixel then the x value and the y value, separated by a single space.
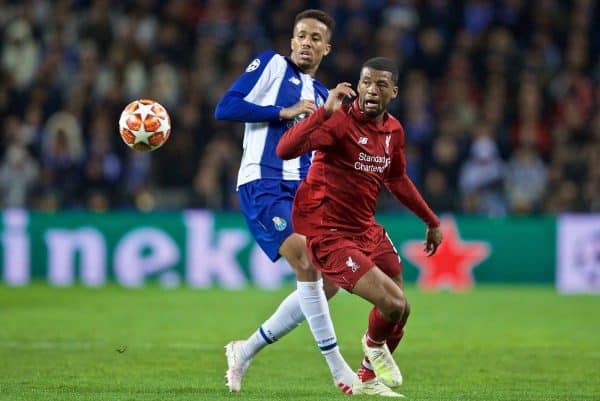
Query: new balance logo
pixel 352 264
pixel 362 140
pixel 294 80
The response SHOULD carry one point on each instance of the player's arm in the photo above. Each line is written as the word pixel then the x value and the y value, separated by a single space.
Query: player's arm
pixel 259 76
pixel 318 130
pixel 233 107
pixel 402 187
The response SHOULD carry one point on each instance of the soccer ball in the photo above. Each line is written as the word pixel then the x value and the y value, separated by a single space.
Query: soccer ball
pixel 144 125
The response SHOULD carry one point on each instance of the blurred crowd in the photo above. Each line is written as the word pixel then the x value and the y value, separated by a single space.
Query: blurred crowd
pixel 500 100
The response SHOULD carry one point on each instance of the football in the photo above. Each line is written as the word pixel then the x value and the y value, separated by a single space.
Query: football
pixel 144 125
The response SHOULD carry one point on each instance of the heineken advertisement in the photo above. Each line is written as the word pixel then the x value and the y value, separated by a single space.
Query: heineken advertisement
pixel 202 249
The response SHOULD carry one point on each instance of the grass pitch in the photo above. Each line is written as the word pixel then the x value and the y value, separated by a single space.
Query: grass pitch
pixel 494 343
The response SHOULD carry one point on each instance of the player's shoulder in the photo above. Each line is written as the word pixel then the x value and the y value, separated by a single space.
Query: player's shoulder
pixel 261 60
pixel 395 127
pixel 321 90
pixel 320 86
pixel 393 123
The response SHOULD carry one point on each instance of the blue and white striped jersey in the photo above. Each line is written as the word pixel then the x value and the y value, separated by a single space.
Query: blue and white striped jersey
pixel 270 83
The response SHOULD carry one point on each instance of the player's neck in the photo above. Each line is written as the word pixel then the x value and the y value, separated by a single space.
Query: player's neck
pixel 309 71
pixel 379 119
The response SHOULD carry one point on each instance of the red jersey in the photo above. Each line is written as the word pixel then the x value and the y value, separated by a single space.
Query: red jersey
pixel 355 157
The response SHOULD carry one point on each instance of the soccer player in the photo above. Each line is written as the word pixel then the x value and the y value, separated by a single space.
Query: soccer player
pixel 271 95
pixel 359 149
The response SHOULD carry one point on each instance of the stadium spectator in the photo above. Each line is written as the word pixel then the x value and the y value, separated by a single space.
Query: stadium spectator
pixel 481 179
pixel 20 53
pixel 530 70
pixel 18 172
pixel 526 179
pixel 216 175
pixel 439 194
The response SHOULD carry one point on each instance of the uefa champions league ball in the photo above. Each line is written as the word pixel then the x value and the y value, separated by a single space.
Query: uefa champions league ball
pixel 144 125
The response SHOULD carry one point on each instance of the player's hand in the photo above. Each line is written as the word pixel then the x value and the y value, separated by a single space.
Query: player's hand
pixel 433 239
pixel 336 97
pixel 302 107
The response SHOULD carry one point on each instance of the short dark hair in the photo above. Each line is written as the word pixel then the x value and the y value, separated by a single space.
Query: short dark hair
pixel 383 64
pixel 319 15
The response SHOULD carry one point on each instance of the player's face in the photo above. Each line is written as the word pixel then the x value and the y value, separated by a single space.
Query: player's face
pixel 310 44
pixel 375 91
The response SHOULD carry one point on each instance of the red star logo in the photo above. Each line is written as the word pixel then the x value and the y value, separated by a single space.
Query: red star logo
pixel 451 266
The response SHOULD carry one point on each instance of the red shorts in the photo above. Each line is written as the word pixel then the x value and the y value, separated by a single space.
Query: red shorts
pixel 344 257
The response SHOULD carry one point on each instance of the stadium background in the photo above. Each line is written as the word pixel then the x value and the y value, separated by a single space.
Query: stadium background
pixel 500 101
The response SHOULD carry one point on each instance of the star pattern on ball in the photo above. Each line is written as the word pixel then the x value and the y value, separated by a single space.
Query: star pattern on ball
pixel 145 110
pixel 164 125
pixel 142 135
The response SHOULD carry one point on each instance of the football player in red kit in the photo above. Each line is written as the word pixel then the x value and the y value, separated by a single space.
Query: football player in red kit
pixel 359 149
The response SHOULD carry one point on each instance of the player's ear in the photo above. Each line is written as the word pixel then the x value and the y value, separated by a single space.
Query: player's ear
pixel 395 92
pixel 327 49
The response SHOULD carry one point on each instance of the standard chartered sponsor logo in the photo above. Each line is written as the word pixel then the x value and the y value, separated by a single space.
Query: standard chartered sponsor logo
pixel 363 157
pixel 371 163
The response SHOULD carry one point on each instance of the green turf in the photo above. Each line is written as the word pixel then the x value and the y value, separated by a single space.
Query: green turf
pixel 494 343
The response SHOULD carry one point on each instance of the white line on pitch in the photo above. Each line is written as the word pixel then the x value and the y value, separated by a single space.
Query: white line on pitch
pixel 39 345
pixel 82 345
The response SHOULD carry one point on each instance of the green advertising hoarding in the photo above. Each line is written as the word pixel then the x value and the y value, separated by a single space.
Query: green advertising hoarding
pixel 203 248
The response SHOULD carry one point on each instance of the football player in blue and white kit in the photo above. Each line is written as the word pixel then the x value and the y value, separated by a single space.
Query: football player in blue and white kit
pixel 271 95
